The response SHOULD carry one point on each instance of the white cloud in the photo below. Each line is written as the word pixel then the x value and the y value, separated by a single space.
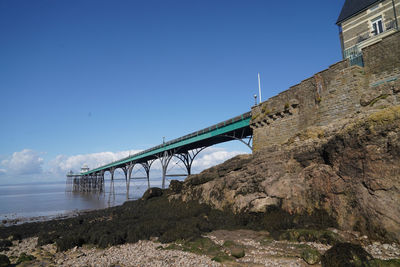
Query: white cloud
pixel 28 165
pixel 62 164
pixel 25 162
pixel 213 156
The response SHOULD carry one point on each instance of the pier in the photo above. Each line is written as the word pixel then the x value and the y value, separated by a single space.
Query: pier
pixel 185 149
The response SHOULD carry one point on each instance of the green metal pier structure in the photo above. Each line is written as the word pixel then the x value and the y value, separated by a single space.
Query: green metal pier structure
pixel 185 148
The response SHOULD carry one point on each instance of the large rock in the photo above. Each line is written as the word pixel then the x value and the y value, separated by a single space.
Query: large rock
pixel 346 254
pixel 152 192
pixel 175 186
pixel 350 169
pixel 311 256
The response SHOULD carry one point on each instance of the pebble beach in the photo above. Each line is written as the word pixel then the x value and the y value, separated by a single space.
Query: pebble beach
pixel 259 251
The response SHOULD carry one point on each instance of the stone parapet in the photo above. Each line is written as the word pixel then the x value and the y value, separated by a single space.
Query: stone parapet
pixel 332 94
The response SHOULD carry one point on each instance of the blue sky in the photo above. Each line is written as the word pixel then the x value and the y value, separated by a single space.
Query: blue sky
pixel 89 77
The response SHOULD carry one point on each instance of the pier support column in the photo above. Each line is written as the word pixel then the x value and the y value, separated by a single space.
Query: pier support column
pixel 82 183
pixel 128 175
pixel 146 166
pixel 165 159
pixel 91 182
pixel 112 170
pixel 188 157
pixel 130 169
pixel 111 195
pixel 75 187
pixel 102 181
pixel 125 170
pixel 98 182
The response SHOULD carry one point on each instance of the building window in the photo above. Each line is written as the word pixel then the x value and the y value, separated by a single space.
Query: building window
pixel 377 25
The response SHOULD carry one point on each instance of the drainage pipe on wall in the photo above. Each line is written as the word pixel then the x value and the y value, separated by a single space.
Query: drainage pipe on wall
pixel 395 15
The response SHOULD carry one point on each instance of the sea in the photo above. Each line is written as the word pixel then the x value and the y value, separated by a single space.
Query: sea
pixel 40 201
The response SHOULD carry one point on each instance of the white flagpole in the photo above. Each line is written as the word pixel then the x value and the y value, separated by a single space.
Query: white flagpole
pixel 259 87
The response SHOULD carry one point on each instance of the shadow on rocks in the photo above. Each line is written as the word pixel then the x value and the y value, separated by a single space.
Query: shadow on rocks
pixel 352 255
pixel 4 261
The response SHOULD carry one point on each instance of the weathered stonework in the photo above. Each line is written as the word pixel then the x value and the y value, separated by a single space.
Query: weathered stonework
pixel 332 94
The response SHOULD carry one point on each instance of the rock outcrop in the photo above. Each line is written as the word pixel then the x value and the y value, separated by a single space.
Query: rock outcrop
pixel 350 169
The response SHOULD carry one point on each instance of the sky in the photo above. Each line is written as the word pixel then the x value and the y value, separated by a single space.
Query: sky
pixel 91 81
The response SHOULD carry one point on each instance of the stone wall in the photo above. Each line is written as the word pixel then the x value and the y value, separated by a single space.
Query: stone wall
pixel 383 58
pixel 337 92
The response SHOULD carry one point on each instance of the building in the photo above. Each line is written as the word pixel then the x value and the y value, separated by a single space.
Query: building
pixel 84 168
pixel 365 22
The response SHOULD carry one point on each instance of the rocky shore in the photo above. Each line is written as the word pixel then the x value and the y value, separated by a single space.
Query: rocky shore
pixel 349 169
pixel 142 253
pixel 192 234
pixel 329 196
pixel 217 248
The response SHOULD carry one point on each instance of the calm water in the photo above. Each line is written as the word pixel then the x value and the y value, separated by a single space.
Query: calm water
pixel 52 199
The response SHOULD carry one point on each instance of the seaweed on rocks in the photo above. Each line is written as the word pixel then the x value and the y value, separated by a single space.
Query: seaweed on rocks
pixel 311 256
pixel 4 244
pixel 310 235
pixel 167 219
pixel 346 254
pixel 4 260
pixel 152 192
pixel 202 246
pixel 25 257
pixel 353 255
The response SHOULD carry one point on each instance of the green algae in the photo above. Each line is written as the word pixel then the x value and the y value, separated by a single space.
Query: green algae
pixel 310 235
pixel 202 246
pixel 311 256
pixel 23 257
pixel 385 263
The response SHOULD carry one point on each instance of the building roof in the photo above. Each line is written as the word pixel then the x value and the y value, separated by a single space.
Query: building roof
pixel 353 7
